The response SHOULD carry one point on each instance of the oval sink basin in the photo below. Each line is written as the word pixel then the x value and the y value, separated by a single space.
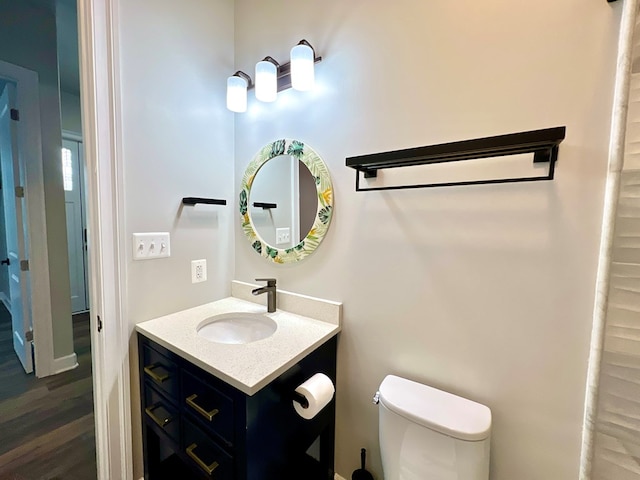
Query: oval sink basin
pixel 237 328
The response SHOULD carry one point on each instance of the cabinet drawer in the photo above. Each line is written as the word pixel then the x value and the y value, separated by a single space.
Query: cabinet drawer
pixel 210 406
pixel 161 371
pixel 163 414
pixel 204 453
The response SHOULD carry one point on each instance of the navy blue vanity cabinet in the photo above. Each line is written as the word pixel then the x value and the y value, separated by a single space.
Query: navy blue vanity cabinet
pixel 196 426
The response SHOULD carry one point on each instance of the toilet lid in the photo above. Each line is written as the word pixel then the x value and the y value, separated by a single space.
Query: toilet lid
pixel 440 411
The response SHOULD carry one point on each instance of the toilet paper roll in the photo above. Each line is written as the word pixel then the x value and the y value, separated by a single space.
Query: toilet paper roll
pixel 318 390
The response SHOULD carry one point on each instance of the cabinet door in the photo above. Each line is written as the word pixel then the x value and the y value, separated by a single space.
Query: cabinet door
pixel 162 413
pixel 212 409
pixel 205 454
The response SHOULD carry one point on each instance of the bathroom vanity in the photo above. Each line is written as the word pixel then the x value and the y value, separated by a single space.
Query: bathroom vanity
pixel 225 411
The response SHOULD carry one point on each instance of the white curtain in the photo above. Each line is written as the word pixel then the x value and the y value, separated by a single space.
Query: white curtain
pixel 611 440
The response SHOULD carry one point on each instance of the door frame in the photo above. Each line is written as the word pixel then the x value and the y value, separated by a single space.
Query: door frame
pixel 102 133
pixel 30 148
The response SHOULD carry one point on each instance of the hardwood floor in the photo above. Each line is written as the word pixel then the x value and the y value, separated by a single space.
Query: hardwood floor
pixel 46 424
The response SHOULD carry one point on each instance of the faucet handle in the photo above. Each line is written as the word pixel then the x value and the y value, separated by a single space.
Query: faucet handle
pixel 271 282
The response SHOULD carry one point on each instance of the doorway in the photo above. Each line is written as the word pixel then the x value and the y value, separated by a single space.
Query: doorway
pixel 31 266
pixel 48 423
pixel 16 287
pixel 75 208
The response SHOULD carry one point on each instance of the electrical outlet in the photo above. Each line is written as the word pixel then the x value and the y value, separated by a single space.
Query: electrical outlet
pixel 283 235
pixel 147 246
pixel 198 271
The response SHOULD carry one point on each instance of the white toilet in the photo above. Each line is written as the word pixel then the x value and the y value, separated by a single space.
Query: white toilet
pixel 428 434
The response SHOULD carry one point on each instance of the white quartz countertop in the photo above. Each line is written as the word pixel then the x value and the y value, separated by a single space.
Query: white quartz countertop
pixel 248 367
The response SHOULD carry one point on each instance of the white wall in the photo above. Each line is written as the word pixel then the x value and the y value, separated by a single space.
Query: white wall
pixel 177 142
pixel 71 118
pixel 483 291
pixel 28 39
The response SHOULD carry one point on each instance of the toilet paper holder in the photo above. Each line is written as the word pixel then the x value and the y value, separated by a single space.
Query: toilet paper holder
pixel 301 399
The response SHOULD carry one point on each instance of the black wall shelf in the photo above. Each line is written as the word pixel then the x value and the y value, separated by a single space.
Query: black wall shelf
pixel 542 143
pixel 207 201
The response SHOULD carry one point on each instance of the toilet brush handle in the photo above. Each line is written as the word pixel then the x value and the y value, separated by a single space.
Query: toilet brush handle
pixel 363 456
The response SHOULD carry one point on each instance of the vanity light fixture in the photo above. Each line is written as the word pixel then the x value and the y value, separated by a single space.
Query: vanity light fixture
pixel 237 85
pixel 303 58
pixel 271 77
pixel 267 80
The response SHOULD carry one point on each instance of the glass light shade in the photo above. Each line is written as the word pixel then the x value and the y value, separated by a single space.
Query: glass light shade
pixel 237 94
pixel 266 81
pixel 302 69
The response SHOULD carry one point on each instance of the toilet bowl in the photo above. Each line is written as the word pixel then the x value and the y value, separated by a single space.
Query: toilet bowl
pixel 428 434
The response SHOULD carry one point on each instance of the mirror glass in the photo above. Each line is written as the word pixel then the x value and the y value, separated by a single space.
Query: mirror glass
pixel 286 201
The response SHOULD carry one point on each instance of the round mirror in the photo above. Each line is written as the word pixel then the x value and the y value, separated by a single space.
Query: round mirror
pixel 286 201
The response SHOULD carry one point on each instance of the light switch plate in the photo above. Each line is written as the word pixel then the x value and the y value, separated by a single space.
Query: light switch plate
pixel 283 235
pixel 148 246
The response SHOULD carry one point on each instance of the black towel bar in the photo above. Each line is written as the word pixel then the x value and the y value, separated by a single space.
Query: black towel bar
pixel 265 205
pixel 207 201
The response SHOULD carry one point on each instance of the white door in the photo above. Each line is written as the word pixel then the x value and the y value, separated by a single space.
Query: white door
pixel 14 223
pixel 76 224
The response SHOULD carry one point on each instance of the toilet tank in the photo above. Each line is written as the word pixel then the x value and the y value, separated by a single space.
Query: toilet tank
pixel 428 434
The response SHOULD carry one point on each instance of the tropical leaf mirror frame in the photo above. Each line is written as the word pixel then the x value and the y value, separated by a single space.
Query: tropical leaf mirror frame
pixel 324 211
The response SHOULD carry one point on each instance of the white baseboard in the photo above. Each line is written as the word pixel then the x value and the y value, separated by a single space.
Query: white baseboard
pixel 336 477
pixel 63 364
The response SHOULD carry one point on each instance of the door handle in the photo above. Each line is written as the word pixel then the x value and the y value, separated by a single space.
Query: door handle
pixel 6 261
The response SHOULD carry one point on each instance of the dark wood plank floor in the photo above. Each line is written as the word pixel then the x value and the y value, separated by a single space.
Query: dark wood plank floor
pixel 46 424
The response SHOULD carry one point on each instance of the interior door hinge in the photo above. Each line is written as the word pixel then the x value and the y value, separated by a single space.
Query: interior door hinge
pixel 15 114
pixel 99 324
pixel 28 336
pixel 20 192
pixel 24 265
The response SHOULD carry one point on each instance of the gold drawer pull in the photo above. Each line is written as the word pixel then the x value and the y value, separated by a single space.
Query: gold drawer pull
pixel 207 468
pixel 158 378
pixel 160 421
pixel 208 415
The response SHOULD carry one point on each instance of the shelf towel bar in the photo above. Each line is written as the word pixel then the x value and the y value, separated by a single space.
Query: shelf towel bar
pixel 542 143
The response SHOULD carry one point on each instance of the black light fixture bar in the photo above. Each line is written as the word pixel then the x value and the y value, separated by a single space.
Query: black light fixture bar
pixel 284 70
pixel 542 143
pixel 284 74
pixel 207 201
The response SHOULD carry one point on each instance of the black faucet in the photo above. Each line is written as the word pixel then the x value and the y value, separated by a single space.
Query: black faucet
pixel 270 290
